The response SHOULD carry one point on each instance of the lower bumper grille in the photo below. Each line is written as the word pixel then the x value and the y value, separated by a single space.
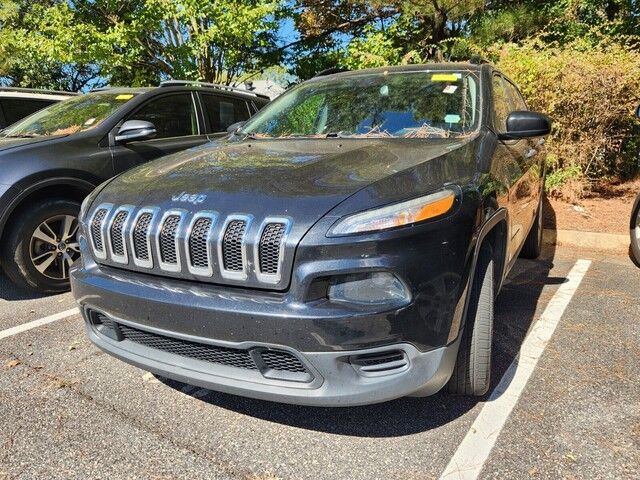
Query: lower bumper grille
pixel 271 363
pixel 208 353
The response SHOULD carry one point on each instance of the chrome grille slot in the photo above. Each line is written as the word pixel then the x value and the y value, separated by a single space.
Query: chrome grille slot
pixel 141 236
pixel 269 252
pixel 198 251
pixel 232 251
pixel 96 229
pixel 168 243
pixel 116 233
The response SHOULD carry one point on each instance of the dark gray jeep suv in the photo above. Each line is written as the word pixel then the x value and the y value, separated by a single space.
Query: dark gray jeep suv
pixel 52 159
pixel 343 247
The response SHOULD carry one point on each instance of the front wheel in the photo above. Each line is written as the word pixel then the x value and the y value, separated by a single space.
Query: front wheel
pixel 41 245
pixel 472 372
pixel 635 231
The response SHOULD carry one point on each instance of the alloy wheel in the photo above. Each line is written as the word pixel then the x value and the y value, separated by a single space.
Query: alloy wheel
pixel 54 246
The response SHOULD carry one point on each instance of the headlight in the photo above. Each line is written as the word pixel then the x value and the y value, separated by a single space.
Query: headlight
pixel 372 288
pixel 396 215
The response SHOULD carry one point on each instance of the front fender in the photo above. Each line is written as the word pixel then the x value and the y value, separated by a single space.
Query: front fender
pixel 13 196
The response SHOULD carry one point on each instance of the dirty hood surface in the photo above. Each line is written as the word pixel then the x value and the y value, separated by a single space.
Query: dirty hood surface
pixel 300 179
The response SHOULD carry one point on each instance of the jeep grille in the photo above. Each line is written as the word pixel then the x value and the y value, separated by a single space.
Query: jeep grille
pixel 201 244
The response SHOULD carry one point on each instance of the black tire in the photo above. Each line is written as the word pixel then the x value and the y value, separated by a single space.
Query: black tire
pixel 533 243
pixel 472 372
pixel 635 231
pixel 19 244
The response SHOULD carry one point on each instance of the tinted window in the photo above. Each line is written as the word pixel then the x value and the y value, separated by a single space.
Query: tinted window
pixel 17 108
pixel 501 105
pixel 172 115
pixel 224 111
pixel 516 100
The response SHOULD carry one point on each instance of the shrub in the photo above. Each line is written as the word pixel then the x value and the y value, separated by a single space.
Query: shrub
pixel 590 92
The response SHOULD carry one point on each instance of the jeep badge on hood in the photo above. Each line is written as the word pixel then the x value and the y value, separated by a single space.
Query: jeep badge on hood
pixel 195 198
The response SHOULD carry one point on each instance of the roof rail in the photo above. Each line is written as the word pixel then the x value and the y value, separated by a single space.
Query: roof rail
pixel 195 83
pixel 37 90
pixel 331 71
pixel 100 89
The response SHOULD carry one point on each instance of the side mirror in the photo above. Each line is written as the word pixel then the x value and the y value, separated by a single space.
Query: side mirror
pixel 526 124
pixel 135 130
pixel 233 128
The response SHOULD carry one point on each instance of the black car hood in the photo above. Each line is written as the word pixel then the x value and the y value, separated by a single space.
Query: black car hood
pixel 300 179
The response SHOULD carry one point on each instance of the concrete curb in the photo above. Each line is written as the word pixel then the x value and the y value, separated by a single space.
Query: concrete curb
pixel 606 242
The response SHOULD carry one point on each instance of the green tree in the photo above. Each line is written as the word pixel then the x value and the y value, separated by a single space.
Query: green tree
pixel 69 44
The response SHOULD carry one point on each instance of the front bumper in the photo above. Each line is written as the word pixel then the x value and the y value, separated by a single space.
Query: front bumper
pixel 185 326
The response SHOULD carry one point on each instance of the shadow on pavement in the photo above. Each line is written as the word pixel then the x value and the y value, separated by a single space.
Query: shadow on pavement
pixel 515 309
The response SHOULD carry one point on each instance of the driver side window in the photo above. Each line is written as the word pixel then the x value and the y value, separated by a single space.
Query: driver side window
pixel 501 106
pixel 172 115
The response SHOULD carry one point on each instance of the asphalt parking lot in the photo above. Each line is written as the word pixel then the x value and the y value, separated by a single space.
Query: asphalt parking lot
pixel 67 410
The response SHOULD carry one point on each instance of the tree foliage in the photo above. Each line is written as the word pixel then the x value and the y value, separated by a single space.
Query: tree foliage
pixel 68 44
pixel 79 44
pixel 590 92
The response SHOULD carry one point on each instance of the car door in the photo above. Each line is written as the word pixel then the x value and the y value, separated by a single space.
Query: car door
pixel 179 126
pixel 532 177
pixel 511 166
pixel 221 111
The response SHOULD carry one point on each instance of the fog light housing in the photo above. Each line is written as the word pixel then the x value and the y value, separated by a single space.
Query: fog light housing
pixel 371 288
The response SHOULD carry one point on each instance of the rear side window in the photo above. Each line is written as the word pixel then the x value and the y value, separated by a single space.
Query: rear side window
pixel 224 111
pixel 17 108
pixel 501 104
pixel 172 115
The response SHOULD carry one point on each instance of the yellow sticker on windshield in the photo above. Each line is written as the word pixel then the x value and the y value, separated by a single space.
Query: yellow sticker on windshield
pixel 124 96
pixel 445 77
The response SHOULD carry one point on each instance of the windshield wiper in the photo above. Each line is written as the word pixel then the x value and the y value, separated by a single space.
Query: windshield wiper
pixel 22 135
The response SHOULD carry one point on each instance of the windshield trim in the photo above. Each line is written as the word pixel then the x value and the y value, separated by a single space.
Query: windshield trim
pixel 476 73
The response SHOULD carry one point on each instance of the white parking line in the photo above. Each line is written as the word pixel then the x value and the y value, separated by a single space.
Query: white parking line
pixel 472 453
pixel 37 323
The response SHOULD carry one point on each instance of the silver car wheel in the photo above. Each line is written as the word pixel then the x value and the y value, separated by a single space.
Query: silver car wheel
pixel 54 247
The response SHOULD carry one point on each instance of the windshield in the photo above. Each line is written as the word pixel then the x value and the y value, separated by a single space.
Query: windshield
pixel 426 104
pixel 69 116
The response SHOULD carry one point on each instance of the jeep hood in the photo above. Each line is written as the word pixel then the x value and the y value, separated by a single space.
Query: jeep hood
pixel 300 179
